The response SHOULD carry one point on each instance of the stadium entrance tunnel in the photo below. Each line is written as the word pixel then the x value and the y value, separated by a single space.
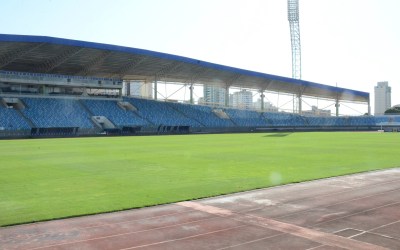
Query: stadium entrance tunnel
pixel 69 131
pixel 126 130
pixel 130 130
pixel 112 131
pixel 173 129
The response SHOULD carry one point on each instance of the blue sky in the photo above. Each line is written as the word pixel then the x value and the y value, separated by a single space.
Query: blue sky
pixel 351 43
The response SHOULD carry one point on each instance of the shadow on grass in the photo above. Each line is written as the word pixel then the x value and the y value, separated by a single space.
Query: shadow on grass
pixel 277 135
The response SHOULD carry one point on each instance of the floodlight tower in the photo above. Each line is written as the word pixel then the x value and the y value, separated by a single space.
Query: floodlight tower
pixel 293 17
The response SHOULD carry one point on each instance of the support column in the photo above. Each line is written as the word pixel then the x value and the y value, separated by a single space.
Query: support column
pixel 191 93
pixel 262 100
pixel 42 89
pixel 128 88
pixel 155 87
pixel 300 104
pixel 294 104
pixel 369 107
pixel 337 105
pixel 148 89
pixel 227 96
pixel 119 92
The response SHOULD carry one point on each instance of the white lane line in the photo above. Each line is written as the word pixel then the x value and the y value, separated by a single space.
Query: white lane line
pixel 121 234
pixel 251 241
pixel 349 215
pixel 317 236
pixel 184 238
pixel 29 236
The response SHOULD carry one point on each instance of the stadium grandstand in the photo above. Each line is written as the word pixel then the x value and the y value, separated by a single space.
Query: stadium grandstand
pixel 59 87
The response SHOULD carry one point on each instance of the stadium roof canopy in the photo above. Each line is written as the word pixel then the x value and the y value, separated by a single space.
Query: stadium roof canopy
pixel 41 54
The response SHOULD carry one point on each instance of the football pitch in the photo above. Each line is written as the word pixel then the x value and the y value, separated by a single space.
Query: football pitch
pixel 45 179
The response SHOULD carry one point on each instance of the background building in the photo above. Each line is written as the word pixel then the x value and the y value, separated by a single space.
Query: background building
pixel 268 107
pixel 214 96
pixel 137 89
pixel 242 99
pixel 317 112
pixel 382 98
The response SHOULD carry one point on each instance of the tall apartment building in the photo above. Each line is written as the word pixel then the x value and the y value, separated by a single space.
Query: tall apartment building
pixel 317 112
pixel 138 89
pixel 268 107
pixel 214 95
pixel 242 99
pixel 382 98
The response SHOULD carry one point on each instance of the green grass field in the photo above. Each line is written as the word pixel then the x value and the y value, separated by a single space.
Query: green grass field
pixel 53 178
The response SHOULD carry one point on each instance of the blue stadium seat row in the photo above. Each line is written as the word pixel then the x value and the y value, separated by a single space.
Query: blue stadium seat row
pixel 51 112
pixel 246 118
pixel 202 114
pixel 318 121
pixel 10 119
pixel 60 112
pixel 159 113
pixel 114 113
pixel 387 119
pixel 285 119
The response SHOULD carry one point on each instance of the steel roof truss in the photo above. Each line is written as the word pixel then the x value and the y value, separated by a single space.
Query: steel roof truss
pixel 13 55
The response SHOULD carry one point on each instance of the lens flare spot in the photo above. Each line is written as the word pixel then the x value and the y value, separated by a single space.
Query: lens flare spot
pixel 275 178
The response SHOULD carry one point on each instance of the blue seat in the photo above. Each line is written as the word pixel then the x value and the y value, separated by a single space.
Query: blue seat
pixel 10 119
pixel 159 113
pixel 111 110
pixel 246 118
pixel 203 114
pixel 51 112
pixel 282 119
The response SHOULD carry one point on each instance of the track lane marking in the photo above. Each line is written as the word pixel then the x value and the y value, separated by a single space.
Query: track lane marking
pixel 104 225
pixel 388 224
pixel 330 194
pixel 38 224
pixel 121 234
pixel 367 210
pixel 184 238
pixel 314 235
pixel 378 234
pixel 342 202
pixel 251 241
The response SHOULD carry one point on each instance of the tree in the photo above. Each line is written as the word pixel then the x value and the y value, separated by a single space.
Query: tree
pixel 393 110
